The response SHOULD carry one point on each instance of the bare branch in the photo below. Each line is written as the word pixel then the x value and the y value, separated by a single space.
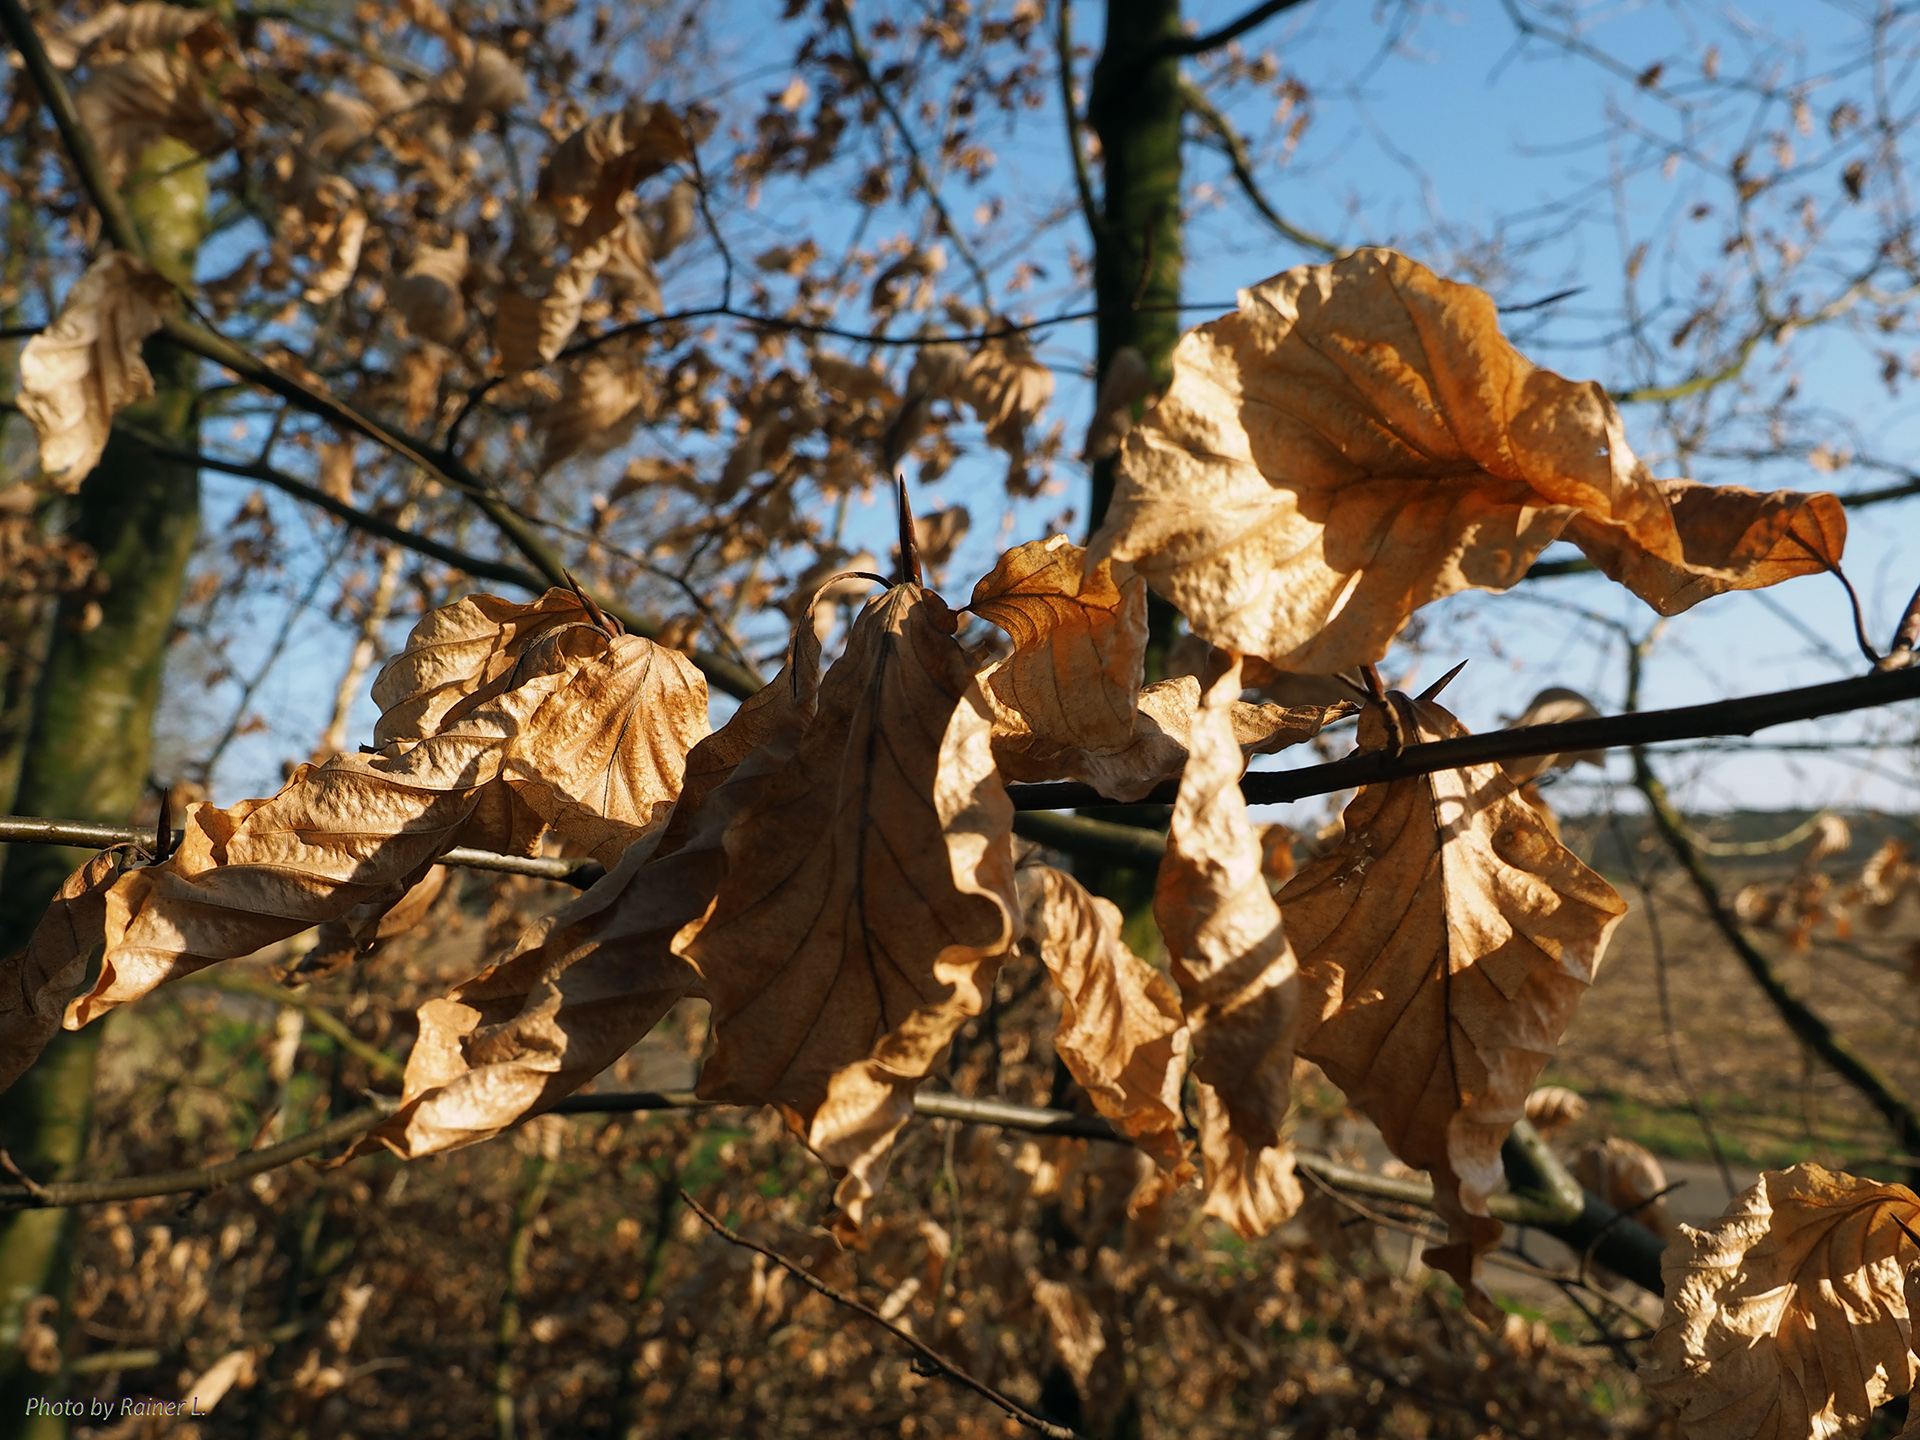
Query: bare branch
pixel 206 1177
pixel 1808 1027
pixel 1076 140
pixel 921 176
pixel 1187 45
pixel 1235 150
pixel 1740 716
pixel 79 141
pixel 928 1355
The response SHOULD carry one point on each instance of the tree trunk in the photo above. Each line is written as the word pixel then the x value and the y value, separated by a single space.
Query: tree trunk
pixel 1135 109
pixel 90 745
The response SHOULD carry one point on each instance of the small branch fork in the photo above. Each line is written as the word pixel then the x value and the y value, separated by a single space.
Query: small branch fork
pixel 926 1355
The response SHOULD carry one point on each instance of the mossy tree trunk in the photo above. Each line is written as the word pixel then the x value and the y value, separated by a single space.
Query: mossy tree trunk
pixel 88 751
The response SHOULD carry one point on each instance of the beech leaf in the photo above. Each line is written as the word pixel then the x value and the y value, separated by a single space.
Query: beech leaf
pixel 590 172
pixel 1158 747
pixel 1238 981
pixel 1079 643
pixel 35 981
pixel 1359 440
pixel 839 968
pixel 1121 1031
pixel 583 735
pixel 582 987
pixel 1789 1316
pixel 83 369
pixel 1444 942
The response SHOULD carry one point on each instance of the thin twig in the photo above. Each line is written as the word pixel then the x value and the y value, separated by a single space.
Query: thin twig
pixel 927 1355
pixel 1807 1026
pixel 1235 149
pixel 1076 144
pixel 857 52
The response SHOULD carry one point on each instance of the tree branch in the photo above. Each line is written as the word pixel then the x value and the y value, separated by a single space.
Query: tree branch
pixel 114 218
pixel 1807 1027
pixel 32 830
pixel 1236 152
pixel 474 565
pixel 927 1354
pixel 1076 142
pixel 59 1193
pixel 1740 716
pixel 920 173
pixel 1188 45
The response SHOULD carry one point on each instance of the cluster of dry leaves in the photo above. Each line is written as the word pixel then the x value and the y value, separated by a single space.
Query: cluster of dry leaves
pixel 532 330
pixel 833 871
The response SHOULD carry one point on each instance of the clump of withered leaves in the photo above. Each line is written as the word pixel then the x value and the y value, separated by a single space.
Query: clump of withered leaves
pixel 833 872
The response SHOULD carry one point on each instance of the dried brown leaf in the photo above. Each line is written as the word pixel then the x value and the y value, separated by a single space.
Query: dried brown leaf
pixel 1553 706
pixel 339 230
pixel 363 931
pixel 840 968
pixel 1158 747
pixel 35 981
pixel 1788 1317
pixel 1444 941
pixel 1359 439
pixel 602 398
pixel 85 367
pixel 1121 1031
pixel 584 735
pixel 1079 645
pixel 147 25
pixel 533 323
pixel 429 296
pixel 147 96
pixel 585 985
pixel 588 175
pixel 1239 984
pixel 1627 1176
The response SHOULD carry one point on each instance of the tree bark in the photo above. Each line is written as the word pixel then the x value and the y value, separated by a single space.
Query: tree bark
pixel 89 748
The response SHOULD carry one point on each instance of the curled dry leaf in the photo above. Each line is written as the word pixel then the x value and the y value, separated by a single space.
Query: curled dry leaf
pixel 604 395
pixel 589 173
pixel 428 296
pixel 364 930
pixel 632 282
pixel 146 25
pixel 1444 940
pixel 583 735
pixel 1158 748
pixel 1007 387
pixel 1238 981
pixel 850 380
pixel 1553 706
pixel 339 230
pixel 489 84
pixel 937 372
pixel 35 981
pixel 670 219
pixel 840 968
pixel 1073 1325
pixel 1552 1108
pixel 341 121
pixel 85 367
pixel 583 986
pixel 1121 1030
pixel 1626 1175
pixel 1079 645
pixel 1788 1317
pixel 1359 440
pixel 144 98
pixel 937 533
pixel 532 323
